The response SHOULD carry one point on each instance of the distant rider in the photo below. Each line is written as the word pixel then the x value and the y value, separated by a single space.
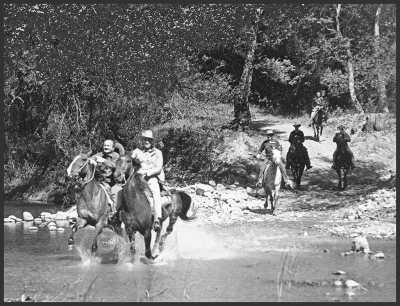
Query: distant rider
pixel 296 138
pixel 268 145
pixel 318 103
pixel 343 136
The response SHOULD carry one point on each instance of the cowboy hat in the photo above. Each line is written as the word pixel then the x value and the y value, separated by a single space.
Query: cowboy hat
pixel 296 124
pixel 269 132
pixel 147 134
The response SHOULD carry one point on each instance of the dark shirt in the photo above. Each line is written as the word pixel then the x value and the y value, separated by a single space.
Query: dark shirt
pixel 297 133
pixel 268 146
pixel 113 156
pixel 342 137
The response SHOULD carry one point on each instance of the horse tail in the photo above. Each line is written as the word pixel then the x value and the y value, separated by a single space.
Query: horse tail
pixel 186 202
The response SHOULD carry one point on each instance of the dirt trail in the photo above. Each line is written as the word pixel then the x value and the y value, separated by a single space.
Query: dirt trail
pixel 319 185
pixel 320 154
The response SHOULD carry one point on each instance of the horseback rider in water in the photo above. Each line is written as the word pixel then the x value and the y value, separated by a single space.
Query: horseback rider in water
pixel 151 162
pixel 319 102
pixel 296 138
pixel 106 160
pixel 343 137
pixel 268 145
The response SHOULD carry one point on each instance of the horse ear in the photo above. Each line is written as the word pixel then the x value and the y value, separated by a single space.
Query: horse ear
pixel 120 148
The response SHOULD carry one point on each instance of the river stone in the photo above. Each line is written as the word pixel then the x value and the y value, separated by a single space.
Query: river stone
pixel 204 187
pixel 45 215
pixel 37 220
pixel 360 244
pixel 212 183
pixel 337 283
pixel 12 217
pixel 27 216
pixel 52 228
pixel 51 224
pixel 60 215
pixel 199 191
pixel 379 255
pixel 33 228
pixel 214 218
pixel 60 229
pixel 9 220
pixel 351 284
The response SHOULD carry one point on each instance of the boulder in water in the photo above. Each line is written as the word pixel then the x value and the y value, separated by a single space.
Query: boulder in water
pixel 27 216
pixel 360 244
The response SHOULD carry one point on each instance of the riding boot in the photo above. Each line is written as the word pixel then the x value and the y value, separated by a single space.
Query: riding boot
pixel 156 224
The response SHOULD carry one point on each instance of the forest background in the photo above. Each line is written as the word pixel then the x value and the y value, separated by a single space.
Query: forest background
pixel 76 74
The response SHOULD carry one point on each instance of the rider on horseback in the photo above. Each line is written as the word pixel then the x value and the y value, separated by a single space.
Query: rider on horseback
pixel 297 138
pixel 268 145
pixel 319 103
pixel 106 160
pixel 343 136
pixel 151 164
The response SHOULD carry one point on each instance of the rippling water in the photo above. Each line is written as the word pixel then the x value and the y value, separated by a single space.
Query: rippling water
pixel 206 264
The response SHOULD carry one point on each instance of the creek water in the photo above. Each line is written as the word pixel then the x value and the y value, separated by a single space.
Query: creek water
pixel 201 263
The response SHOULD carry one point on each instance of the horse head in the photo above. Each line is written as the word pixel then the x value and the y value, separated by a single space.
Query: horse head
pixel 123 168
pixel 276 156
pixel 75 169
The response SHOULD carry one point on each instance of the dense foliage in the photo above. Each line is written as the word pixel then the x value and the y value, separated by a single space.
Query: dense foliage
pixel 75 74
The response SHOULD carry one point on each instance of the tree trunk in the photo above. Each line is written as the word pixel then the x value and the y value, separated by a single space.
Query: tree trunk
pixel 242 116
pixel 350 68
pixel 381 80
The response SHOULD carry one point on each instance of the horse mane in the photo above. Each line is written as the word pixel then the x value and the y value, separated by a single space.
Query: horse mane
pixel 141 183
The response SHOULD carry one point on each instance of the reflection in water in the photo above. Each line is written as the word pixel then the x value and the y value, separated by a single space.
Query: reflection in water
pixel 198 264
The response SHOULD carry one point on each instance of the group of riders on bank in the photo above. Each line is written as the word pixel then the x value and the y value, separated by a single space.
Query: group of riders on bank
pixel 150 161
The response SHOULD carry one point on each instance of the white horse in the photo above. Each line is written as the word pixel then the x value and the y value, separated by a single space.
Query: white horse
pixel 272 180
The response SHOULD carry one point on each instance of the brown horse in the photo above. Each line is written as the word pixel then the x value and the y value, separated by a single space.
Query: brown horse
pixel 317 125
pixel 342 162
pixel 296 159
pixel 92 206
pixel 135 211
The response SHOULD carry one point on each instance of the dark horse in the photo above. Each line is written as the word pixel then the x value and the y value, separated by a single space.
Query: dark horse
pixel 342 162
pixel 317 124
pixel 135 211
pixel 92 206
pixel 297 160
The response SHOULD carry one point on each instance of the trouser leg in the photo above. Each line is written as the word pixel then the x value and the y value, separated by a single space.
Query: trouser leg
pixel 260 176
pixel 283 171
pixel 155 190
pixel 116 192
pixel 306 156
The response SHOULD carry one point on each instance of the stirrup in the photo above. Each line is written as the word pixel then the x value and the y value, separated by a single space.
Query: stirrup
pixel 156 226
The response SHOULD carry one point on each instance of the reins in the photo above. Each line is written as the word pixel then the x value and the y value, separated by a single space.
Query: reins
pixel 85 182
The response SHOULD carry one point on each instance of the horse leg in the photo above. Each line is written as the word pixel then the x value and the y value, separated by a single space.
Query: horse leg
pixel 170 227
pixel 157 240
pixel 147 242
pixel 99 229
pixel 300 174
pixel 131 237
pixel 339 173
pixel 344 179
pixel 79 224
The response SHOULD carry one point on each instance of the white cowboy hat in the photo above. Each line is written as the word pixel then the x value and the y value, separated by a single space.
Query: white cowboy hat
pixel 147 134
pixel 296 124
pixel 269 132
